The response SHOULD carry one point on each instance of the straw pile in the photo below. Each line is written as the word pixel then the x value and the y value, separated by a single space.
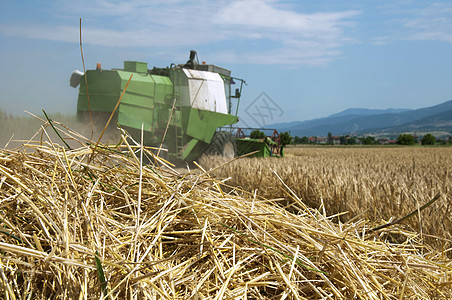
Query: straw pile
pixel 91 222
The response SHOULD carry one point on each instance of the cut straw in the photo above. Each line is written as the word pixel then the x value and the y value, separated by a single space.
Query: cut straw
pixel 125 229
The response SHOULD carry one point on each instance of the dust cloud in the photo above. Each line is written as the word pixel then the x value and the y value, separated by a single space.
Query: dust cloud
pixel 15 131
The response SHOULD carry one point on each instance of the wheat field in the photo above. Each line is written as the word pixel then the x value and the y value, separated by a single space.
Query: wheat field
pixel 378 184
pixel 92 221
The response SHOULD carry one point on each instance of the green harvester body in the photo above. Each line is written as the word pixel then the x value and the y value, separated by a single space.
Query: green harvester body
pixel 185 103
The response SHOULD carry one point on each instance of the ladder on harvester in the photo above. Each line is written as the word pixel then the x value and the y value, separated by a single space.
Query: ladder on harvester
pixel 178 133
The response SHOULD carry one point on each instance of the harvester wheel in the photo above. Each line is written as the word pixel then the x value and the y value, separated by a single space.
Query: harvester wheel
pixel 223 144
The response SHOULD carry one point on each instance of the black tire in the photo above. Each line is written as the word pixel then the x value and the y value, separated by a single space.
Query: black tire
pixel 222 144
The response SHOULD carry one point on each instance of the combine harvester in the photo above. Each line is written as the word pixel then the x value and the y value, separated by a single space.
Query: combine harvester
pixel 189 105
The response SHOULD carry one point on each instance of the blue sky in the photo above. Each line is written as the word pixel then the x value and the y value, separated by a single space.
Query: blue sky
pixel 311 58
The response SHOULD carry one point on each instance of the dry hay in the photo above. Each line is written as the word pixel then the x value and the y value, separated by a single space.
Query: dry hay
pixel 90 221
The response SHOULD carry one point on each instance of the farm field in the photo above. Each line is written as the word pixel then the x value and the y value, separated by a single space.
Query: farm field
pixel 379 184
pixel 88 220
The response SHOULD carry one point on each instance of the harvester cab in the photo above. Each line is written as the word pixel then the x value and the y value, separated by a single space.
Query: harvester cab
pixel 187 107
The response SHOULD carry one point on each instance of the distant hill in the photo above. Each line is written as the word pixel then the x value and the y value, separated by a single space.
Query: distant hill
pixel 359 121
pixel 368 112
pixel 437 122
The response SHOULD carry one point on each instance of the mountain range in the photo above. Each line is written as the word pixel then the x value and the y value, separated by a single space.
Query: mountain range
pixel 359 121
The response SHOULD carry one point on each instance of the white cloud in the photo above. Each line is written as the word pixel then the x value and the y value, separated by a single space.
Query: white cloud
pixel 312 39
pixel 284 36
pixel 381 40
pixel 433 23
pixel 261 14
pixel 416 22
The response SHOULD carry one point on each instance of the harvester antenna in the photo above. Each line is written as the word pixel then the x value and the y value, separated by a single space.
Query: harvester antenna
pixel 86 82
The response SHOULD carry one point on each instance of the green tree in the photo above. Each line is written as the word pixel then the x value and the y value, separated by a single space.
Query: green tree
pixel 257 134
pixel 441 142
pixel 300 140
pixel 351 141
pixel 428 139
pixel 285 138
pixel 330 138
pixel 368 140
pixel 405 139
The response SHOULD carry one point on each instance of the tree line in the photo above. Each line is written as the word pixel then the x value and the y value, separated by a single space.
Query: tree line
pixel 402 139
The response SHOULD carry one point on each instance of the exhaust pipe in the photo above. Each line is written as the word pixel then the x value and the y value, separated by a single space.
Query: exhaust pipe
pixel 76 76
pixel 191 63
